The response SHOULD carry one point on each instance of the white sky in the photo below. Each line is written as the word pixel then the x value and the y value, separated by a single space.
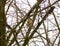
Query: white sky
pixel 32 2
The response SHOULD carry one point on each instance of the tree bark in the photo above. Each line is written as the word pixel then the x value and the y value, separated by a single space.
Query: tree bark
pixel 2 23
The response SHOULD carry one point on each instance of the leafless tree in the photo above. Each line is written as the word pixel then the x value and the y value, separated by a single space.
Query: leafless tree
pixel 24 23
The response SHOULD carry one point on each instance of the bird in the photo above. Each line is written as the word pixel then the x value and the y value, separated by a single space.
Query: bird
pixel 29 22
